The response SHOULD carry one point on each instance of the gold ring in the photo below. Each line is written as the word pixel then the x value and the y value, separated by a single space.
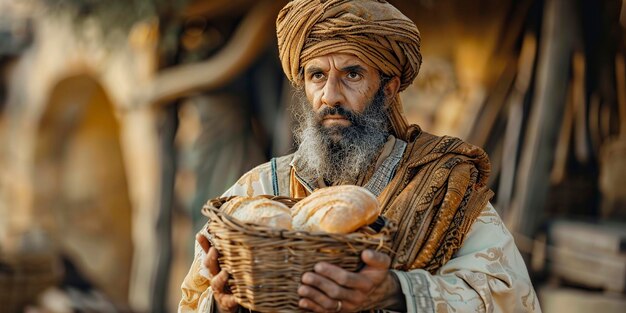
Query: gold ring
pixel 339 305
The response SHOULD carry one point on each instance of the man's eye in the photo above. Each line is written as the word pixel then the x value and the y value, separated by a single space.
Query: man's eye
pixel 354 75
pixel 317 76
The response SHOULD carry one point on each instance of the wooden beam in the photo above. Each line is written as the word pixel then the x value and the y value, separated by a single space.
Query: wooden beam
pixel 533 179
pixel 620 75
pixel 168 130
pixel 515 119
pixel 213 8
pixel 249 39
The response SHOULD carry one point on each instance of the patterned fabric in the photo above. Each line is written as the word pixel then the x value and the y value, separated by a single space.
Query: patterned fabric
pixel 437 193
pixel 196 291
pixel 481 269
pixel 486 275
pixel 384 173
pixel 415 287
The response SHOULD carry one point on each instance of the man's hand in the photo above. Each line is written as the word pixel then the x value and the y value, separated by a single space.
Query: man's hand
pixel 224 299
pixel 332 289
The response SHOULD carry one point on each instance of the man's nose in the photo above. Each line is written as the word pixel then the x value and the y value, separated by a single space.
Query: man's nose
pixel 332 95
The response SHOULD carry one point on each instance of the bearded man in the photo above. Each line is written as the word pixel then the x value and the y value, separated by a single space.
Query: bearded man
pixel 350 59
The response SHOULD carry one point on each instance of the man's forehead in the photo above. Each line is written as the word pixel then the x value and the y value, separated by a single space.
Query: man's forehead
pixel 339 61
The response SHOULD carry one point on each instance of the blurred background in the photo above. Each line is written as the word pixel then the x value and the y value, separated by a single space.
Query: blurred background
pixel 120 118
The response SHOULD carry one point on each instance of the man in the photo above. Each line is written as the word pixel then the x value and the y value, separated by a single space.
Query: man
pixel 350 59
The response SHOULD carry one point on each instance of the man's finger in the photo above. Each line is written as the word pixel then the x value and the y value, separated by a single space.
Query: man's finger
pixel 211 261
pixel 326 286
pixel 376 259
pixel 226 301
pixel 203 241
pixel 340 275
pixel 319 298
pixel 219 282
pixel 310 305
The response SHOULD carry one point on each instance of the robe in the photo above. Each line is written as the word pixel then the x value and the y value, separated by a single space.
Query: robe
pixel 453 252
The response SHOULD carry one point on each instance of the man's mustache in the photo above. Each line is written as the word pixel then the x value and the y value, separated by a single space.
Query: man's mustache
pixel 338 110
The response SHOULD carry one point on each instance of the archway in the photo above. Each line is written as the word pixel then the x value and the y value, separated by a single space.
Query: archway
pixel 81 192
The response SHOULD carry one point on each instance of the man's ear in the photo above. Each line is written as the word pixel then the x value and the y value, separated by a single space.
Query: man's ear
pixel 392 87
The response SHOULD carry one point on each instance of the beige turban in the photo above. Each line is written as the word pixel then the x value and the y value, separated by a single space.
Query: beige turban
pixel 374 31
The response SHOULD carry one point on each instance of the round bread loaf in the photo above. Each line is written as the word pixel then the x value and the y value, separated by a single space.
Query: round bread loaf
pixel 338 210
pixel 259 210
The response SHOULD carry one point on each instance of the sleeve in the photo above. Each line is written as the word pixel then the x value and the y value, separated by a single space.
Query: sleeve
pixel 487 274
pixel 257 181
pixel 196 292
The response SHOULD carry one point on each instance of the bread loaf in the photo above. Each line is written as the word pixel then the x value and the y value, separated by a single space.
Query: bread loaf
pixel 259 210
pixel 338 209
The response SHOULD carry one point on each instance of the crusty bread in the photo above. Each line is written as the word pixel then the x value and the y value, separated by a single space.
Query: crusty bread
pixel 338 210
pixel 259 210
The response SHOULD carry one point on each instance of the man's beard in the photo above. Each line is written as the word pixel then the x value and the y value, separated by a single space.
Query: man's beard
pixel 340 153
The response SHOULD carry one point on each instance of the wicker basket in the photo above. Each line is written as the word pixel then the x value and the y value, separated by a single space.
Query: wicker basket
pixel 266 264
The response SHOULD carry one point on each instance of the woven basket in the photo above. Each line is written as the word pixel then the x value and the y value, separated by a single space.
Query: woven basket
pixel 266 264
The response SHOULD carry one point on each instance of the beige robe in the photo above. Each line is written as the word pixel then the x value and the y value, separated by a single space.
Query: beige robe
pixel 487 273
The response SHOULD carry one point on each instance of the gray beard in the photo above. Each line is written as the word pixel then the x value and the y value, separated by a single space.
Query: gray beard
pixel 339 154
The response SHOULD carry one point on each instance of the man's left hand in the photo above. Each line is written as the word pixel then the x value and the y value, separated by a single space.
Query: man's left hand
pixel 332 289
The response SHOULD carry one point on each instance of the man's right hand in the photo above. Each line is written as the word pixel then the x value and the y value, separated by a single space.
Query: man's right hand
pixel 224 299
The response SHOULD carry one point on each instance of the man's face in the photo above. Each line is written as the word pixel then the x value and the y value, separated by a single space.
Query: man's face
pixel 338 85
pixel 343 122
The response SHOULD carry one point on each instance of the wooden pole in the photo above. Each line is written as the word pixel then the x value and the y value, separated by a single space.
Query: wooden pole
pixel 168 131
pixel 533 179
pixel 620 74
pixel 514 122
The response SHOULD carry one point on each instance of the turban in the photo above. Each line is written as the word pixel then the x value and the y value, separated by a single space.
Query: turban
pixel 372 30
